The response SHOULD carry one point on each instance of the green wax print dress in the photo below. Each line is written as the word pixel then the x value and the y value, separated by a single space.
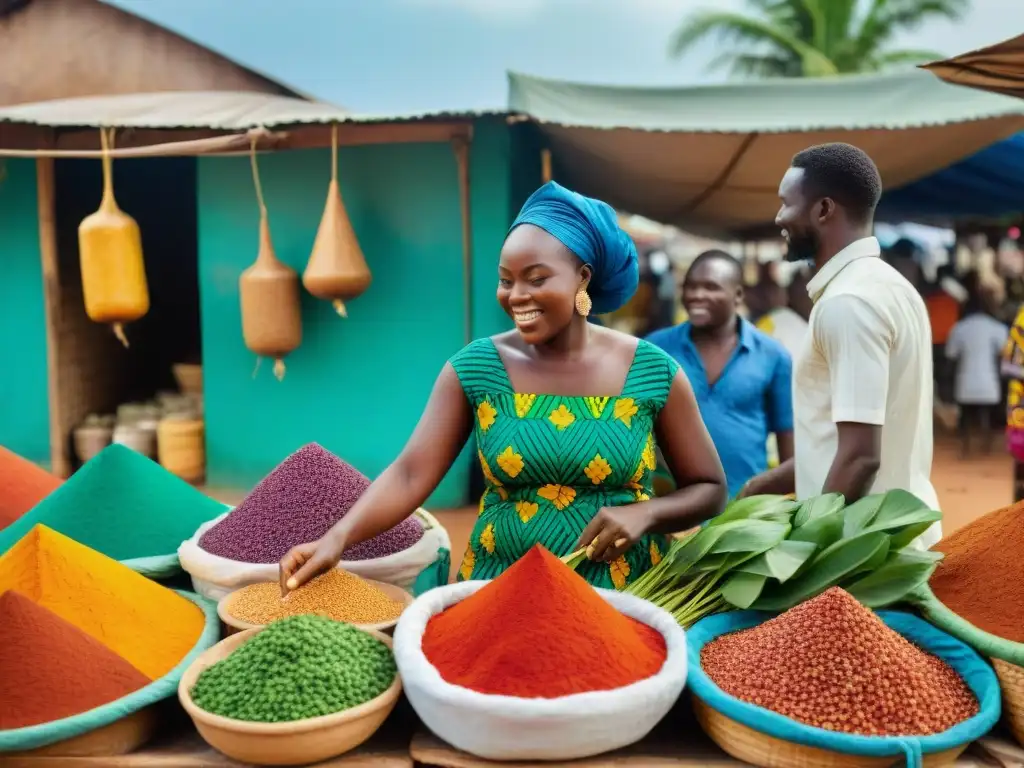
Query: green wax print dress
pixel 551 462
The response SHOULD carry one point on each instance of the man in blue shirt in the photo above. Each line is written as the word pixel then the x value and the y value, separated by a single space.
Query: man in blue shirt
pixel 742 378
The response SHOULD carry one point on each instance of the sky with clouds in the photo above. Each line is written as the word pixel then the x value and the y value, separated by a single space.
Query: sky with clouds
pixel 389 56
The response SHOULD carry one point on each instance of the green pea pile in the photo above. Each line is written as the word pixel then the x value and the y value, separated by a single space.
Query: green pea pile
pixel 298 667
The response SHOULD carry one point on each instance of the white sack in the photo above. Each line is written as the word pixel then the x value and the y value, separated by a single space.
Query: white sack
pixel 214 577
pixel 511 728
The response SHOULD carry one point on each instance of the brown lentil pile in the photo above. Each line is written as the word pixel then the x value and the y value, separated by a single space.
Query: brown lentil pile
pixel 833 664
pixel 337 594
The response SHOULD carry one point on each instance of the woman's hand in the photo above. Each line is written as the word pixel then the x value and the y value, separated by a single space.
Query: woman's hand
pixel 613 531
pixel 307 561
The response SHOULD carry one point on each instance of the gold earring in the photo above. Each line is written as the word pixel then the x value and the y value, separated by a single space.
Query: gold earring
pixel 583 303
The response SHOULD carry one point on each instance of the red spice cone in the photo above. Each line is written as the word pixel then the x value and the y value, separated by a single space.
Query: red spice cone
pixel 540 630
pixel 24 485
pixel 50 669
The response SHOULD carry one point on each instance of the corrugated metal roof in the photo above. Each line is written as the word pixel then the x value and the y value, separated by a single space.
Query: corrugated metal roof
pixel 213 110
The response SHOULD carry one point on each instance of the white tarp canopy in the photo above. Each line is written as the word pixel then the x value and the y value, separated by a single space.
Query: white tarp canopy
pixel 710 158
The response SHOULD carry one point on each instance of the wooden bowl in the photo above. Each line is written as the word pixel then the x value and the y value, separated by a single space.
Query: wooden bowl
pixel 296 743
pixel 118 738
pixel 755 748
pixel 233 624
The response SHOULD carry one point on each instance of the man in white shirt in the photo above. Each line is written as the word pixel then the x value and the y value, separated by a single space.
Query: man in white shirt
pixel 862 384
pixel 974 345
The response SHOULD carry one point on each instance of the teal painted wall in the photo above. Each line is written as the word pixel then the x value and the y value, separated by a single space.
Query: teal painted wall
pixel 356 386
pixel 24 406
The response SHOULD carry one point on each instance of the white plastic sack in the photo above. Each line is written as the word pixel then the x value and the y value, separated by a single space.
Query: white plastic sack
pixel 511 728
pixel 214 577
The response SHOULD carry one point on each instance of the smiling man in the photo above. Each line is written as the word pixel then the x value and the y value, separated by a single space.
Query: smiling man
pixel 863 381
pixel 740 376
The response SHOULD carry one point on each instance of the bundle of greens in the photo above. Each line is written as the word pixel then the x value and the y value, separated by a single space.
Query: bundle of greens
pixel 771 553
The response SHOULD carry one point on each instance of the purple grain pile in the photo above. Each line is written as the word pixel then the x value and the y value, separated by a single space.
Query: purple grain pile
pixel 297 502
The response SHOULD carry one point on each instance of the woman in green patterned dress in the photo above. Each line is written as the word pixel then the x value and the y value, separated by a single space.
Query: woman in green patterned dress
pixel 566 415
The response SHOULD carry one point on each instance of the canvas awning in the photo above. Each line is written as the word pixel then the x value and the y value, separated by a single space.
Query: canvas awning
pixel 998 68
pixel 153 118
pixel 709 158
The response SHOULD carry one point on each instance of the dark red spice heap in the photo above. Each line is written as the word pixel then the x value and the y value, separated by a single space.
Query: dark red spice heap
pixel 981 577
pixel 50 669
pixel 540 631
pixel 832 663
pixel 297 502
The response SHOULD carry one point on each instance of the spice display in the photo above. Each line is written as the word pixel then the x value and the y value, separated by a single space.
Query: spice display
pixel 299 667
pixel 121 504
pixel 981 577
pixel 770 553
pixel 110 249
pixel 24 485
pixel 269 293
pixel 150 626
pixel 336 594
pixel 540 630
pixel 831 663
pixel 337 269
pixel 297 502
pixel 50 669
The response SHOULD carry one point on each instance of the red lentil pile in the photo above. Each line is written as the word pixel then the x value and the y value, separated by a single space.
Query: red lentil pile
pixel 831 663
pixel 981 577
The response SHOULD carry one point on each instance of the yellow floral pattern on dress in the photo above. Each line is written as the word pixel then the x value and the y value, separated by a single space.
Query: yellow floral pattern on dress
pixel 625 409
pixel 619 570
pixel 485 415
pixel 492 481
pixel 523 404
pixel 655 553
pixel 596 405
pixel 526 510
pixel 511 463
pixel 487 539
pixel 468 563
pixel 641 496
pixel 634 481
pixel 598 469
pixel 650 457
pixel 559 495
pixel 483 503
pixel 561 417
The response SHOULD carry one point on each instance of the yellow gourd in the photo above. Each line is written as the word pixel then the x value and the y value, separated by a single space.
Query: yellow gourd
pixel 337 269
pixel 269 292
pixel 110 249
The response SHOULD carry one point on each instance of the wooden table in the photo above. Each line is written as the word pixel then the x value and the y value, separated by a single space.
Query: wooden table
pixel 677 742
pixel 180 746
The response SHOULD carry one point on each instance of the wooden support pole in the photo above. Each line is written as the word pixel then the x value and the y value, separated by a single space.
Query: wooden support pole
pixel 460 146
pixel 60 455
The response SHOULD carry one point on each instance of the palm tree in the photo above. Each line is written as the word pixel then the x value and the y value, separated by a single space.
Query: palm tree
pixel 813 38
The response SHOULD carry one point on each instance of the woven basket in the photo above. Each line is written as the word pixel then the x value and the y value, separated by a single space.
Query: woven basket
pixel 1011 681
pixel 750 746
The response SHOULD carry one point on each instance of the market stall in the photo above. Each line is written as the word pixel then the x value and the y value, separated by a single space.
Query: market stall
pixel 863 649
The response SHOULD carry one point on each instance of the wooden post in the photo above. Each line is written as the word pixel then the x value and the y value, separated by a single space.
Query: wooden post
pixel 460 145
pixel 545 166
pixel 60 456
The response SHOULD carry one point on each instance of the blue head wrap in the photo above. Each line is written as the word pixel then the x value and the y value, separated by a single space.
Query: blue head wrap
pixel 590 229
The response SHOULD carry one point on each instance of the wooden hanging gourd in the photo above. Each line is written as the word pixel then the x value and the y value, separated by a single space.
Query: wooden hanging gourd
pixel 110 249
pixel 269 292
pixel 337 269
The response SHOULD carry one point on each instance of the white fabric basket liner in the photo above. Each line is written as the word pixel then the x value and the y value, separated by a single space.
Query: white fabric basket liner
pixel 214 577
pixel 511 728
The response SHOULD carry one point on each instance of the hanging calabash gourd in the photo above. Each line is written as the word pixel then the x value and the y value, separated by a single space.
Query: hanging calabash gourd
pixel 269 291
pixel 336 270
pixel 110 248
